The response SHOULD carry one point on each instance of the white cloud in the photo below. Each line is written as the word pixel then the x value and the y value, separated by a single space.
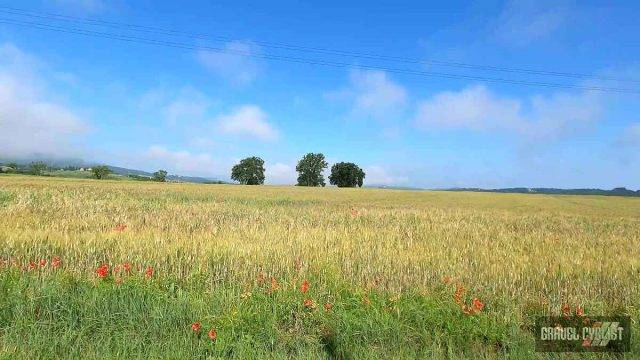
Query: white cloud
pixel 477 108
pixel 474 107
pixel 524 21
pixel 373 94
pixel 180 162
pixel 231 63
pixel 378 175
pixel 31 124
pixel 247 120
pixel 280 173
pixel 189 104
pixel 185 105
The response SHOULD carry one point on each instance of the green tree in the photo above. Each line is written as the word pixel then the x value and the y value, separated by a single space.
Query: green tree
pixel 100 171
pixel 345 174
pixel 37 168
pixel 249 171
pixel 13 165
pixel 310 169
pixel 160 175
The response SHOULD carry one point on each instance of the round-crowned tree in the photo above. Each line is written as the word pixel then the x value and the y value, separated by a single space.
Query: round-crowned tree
pixel 310 169
pixel 100 172
pixel 345 174
pixel 249 171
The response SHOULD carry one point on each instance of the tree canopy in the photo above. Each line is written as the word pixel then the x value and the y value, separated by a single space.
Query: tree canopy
pixel 100 171
pixel 160 175
pixel 310 169
pixel 250 171
pixel 37 167
pixel 345 174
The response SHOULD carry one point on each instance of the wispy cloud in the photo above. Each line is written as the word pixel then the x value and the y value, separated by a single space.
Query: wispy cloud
pixel 524 21
pixel 231 63
pixel 280 174
pixel 32 123
pixel 476 108
pixel 179 161
pixel 379 175
pixel 372 94
pixel 247 120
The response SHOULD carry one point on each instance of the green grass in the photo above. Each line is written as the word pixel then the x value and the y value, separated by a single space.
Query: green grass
pixel 48 314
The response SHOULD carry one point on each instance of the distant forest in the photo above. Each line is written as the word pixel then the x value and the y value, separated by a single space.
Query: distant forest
pixel 620 191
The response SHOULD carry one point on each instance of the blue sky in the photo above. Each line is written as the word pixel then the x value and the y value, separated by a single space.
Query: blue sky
pixel 197 112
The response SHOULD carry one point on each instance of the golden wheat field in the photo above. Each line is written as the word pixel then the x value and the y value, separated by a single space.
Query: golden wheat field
pixel 510 248
pixel 520 254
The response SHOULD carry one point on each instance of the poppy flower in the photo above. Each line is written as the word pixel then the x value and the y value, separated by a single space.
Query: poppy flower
pixel 477 304
pixel 457 296
pixel 580 311
pixel 328 306
pixel 304 287
pixel 55 262
pixel 43 263
pixel 149 272
pixel 126 267
pixel 102 271
pixel 308 303
pixel 566 310
pixel 196 326
pixel 32 265
pixel 213 334
pixel 120 227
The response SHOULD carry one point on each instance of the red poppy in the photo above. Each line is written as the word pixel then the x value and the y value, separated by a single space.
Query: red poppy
pixel 196 326
pixel 120 227
pixel 580 311
pixel 43 263
pixel 32 265
pixel 566 310
pixel 55 262
pixel 126 267
pixel 477 304
pixel 102 271
pixel 213 334
pixel 328 306
pixel 308 303
pixel 304 287
pixel 457 296
pixel 149 272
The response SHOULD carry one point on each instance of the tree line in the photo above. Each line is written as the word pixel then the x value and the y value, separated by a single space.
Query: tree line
pixel 250 171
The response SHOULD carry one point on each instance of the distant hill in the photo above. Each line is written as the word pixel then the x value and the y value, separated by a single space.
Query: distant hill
pixel 621 191
pixel 391 187
pixel 192 179
pixel 70 164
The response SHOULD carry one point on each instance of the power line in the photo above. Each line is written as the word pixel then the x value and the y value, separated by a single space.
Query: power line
pixel 360 55
pixel 135 39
